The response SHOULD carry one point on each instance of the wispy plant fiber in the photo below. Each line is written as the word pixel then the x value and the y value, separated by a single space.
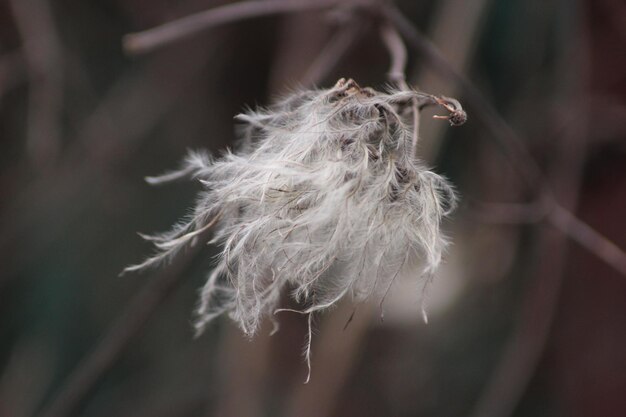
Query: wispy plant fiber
pixel 323 196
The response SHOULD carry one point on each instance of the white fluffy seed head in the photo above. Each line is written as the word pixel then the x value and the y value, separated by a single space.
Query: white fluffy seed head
pixel 323 197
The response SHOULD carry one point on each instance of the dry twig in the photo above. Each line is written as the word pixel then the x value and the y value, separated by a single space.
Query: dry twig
pixel 141 42
pixel 330 56
pixel 520 359
pixel 43 56
pixel 397 73
pixel 455 30
pixel 521 356
pixel 510 142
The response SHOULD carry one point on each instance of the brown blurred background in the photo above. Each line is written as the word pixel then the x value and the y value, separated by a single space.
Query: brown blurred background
pixel 524 321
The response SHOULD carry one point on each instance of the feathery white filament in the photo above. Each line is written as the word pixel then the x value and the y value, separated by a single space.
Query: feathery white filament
pixel 324 197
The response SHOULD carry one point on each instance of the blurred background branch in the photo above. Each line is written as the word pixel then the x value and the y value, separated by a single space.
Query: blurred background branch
pixel 44 63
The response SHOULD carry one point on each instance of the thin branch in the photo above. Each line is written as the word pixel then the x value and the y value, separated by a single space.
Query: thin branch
pixel 43 55
pixel 588 237
pixel 523 352
pixel 499 129
pixel 112 131
pixel 559 217
pixel 328 59
pixel 397 74
pixel 455 29
pixel 146 41
pixel 106 353
pixel 513 146
pixel 398 57
pixel 397 54
pixel 510 213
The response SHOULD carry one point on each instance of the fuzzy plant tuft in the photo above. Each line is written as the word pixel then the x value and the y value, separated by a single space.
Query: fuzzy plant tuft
pixel 323 197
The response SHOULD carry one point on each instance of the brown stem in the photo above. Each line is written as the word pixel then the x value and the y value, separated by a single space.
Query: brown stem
pixel 559 217
pixel 588 237
pixel 397 54
pixel 146 41
pixel 521 356
pixel 509 140
pixel 500 130
pixel 397 73
pixel 330 56
pixel 454 30
pixel 43 56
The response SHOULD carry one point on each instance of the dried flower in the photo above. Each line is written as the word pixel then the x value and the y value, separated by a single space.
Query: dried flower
pixel 324 196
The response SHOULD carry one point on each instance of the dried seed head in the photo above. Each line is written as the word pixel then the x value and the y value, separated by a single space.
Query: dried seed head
pixel 324 197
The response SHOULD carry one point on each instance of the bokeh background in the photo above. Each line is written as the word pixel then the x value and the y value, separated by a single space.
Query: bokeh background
pixel 524 321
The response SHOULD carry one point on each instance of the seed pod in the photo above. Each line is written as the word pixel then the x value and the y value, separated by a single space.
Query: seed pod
pixel 324 197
